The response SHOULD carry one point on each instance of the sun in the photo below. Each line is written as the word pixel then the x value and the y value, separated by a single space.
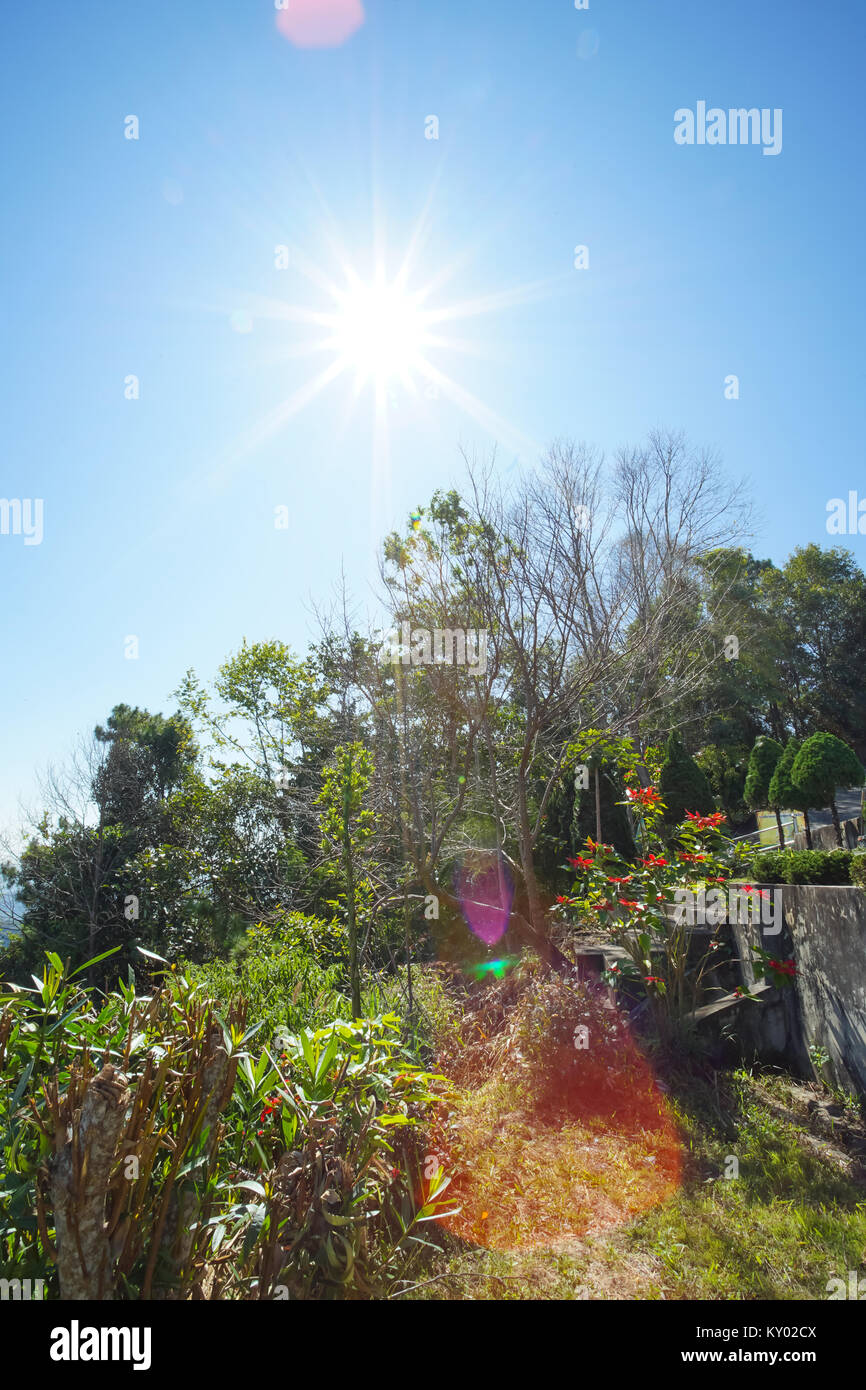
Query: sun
pixel 379 332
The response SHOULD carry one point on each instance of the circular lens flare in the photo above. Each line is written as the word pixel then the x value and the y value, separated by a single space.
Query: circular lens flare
pixel 485 887
pixel 319 23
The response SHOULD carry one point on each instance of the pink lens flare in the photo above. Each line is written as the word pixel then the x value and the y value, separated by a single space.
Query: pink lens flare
pixel 486 891
pixel 319 23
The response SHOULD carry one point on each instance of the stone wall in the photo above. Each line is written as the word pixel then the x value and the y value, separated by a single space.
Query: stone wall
pixel 825 932
pixel 828 932
pixel 824 836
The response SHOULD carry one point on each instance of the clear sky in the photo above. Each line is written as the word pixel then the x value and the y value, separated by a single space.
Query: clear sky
pixel 156 258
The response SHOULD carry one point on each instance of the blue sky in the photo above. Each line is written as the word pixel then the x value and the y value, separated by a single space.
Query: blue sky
pixel 555 129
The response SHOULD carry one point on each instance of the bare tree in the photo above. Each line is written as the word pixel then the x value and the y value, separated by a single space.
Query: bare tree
pixel 585 584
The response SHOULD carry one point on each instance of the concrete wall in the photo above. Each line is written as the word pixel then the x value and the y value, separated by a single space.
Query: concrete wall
pixel 825 932
pixel 824 836
pixel 828 932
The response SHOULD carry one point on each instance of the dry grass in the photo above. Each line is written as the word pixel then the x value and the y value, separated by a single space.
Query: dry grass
pixel 548 1141
pixel 580 1174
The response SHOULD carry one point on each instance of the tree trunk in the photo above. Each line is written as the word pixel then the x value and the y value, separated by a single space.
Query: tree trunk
pixel 779 827
pixel 808 829
pixel 836 826
pixel 538 927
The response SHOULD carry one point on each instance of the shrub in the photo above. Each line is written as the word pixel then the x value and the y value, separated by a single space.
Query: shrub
pixel 615 828
pixel 194 1167
pixel 857 869
pixel 282 974
pixel 762 764
pixel 682 786
pixel 802 866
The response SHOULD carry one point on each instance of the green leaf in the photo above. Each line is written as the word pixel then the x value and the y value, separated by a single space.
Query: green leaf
pixel 151 955
pixel 96 959
pixel 307 1049
pixel 254 1230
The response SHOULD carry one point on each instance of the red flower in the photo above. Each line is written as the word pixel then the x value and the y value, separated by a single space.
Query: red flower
pixel 784 967
pixel 581 863
pixel 626 903
pixel 603 907
pixel 621 880
pixel 711 822
pixel 645 796
pixel 654 861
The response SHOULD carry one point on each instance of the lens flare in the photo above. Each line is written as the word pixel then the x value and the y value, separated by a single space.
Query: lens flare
pixel 496 968
pixel 485 889
pixel 561 1132
pixel 319 23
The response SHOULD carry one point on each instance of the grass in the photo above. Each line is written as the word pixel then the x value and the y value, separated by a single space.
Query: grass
pixel 713 1187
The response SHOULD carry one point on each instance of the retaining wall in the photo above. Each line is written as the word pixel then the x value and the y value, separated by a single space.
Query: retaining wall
pixel 824 929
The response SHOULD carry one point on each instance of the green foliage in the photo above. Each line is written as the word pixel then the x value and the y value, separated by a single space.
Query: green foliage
pixel 802 866
pixel 347 827
pixel 784 793
pixel 254 1174
pixel 857 870
pixel 292 973
pixel 615 828
pixel 725 770
pixel 824 763
pixel 817 604
pixel 682 785
pixel 338 1213
pixel 635 904
pixel 762 764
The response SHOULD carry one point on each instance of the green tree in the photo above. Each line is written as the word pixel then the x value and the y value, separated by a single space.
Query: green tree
pixel 784 793
pixel 268 731
pixel 682 785
pixel 80 884
pixel 762 764
pixel 725 769
pixel 818 603
pixel 824 763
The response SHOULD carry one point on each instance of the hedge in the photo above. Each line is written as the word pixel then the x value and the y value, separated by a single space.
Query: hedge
pixel 803 866
pixel 858 870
